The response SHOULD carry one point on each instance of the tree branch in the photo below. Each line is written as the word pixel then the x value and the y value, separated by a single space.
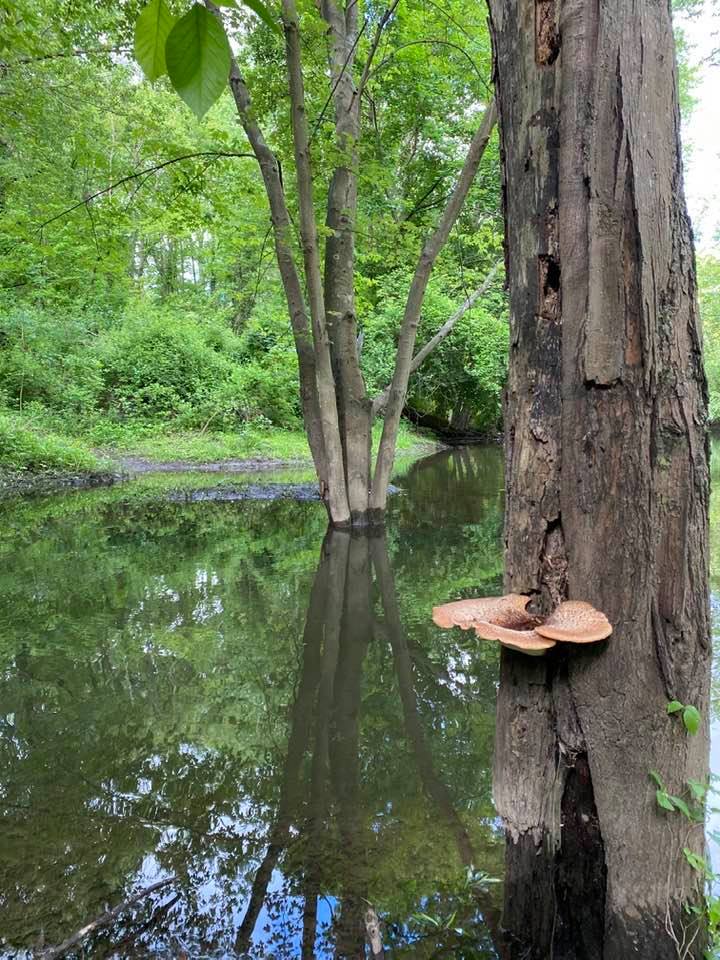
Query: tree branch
pixel 375 44
pixel 141 173
pixel 381 399
pixel 444 43
pixel 54 953
pixel 62 54
pixel 413 306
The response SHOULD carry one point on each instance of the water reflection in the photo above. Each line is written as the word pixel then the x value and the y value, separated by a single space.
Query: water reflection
pixel 189 693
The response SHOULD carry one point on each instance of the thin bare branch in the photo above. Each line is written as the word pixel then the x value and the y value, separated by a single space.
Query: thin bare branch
pixel 62 54
pixel 413 306
pixel 141 173
pixel 430 41
pixel 375 44
pixel 381 399
pixel 54 953
pixel 338 79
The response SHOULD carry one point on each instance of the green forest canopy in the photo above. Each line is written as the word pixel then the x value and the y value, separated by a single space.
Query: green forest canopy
pixel 140 296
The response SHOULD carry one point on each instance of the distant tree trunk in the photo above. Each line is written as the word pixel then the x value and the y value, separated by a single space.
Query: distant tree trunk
pixel 607 482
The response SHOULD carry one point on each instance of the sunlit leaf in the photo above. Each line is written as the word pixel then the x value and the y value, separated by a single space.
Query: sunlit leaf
pixel 696 862
pixel 697 789
pixel 680 805
pixel 674 706
pixel 151 32
pixel 198 59
pixel 663 800
pixel 691 719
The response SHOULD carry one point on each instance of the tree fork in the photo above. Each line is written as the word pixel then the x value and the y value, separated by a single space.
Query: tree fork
pixel 606 480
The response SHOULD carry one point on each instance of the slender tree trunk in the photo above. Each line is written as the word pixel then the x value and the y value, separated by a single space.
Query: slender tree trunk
pixel 607 481
pixel 337 497
pixel 354 406
pixel 282 234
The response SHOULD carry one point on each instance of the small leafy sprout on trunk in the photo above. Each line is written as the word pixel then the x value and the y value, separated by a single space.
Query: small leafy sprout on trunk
pixel 693 808
pixel 690 715
pixel 506 619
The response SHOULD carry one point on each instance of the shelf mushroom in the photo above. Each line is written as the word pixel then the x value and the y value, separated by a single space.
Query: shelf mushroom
pixel 505 619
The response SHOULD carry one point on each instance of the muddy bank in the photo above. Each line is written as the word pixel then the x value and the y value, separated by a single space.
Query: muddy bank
pixel 15 483
pixel 253 491
pixel 142 465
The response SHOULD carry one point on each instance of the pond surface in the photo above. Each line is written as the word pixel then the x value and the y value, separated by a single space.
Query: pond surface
pixel 219 695
pixel 251 726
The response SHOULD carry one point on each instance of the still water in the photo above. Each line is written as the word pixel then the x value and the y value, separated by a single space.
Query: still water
pixel 213 693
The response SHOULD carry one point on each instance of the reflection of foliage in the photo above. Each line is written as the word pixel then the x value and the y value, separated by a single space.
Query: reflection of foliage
pixel 151 651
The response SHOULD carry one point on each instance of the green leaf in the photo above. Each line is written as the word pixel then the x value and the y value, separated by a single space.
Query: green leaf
pixel 696 862
pixel 151 32
pixel 663 800
pixel 680 805
pixel 198 59
pixel 657 779
pixel 674 706
pixel 258 7
pixel 691 719
pixel 697 789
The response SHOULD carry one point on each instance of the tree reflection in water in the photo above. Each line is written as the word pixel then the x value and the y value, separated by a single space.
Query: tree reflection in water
pixel 324 828
pixel 186 692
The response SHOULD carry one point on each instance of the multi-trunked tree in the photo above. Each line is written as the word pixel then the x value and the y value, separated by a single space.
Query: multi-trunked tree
pixel 320 281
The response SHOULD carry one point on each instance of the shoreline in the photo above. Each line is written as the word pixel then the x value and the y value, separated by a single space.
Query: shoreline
pixel 122 468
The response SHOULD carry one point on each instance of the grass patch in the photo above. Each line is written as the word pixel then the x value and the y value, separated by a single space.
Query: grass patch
pixel 23 447
pixel 248 443
pixel 37 443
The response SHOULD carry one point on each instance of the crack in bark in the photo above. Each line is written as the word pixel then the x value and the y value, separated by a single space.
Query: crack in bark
pixel 554 565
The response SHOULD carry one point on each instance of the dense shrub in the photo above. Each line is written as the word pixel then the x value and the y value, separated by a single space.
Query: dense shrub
pixel 465 373
pixel 157 367
pixel 49 358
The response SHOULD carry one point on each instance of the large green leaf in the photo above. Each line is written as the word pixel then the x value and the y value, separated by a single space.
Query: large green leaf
pixel 198 59
pixel 151 32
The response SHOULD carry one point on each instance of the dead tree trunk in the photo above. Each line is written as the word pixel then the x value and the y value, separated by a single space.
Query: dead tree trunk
pixel 607 481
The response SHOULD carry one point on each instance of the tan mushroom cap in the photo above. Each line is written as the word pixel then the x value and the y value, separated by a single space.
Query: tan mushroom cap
pixel 507 611
pixel 575 621
pixel 496 618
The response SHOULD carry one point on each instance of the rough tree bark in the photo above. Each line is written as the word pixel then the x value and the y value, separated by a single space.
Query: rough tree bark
pixel 607 480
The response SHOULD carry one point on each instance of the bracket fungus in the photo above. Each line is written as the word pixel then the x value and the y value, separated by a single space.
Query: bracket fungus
pixel 506 619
